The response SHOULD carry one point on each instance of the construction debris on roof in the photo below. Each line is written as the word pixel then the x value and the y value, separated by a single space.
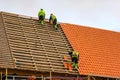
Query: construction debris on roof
pixel 99 49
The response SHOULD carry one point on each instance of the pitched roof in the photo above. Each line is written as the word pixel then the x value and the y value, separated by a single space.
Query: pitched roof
pixel 27 45
pixel 99 49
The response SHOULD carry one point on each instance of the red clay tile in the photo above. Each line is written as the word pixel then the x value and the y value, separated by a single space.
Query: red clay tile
pixel 99 49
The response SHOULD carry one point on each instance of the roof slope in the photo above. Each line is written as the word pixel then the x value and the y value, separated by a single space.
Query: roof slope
pixel 34 47
pixel 99 49
pixel 5 57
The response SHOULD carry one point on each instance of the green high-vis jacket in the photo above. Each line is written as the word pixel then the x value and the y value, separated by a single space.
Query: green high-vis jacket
pixel 41 12
pixel 75 54
pixel 53 17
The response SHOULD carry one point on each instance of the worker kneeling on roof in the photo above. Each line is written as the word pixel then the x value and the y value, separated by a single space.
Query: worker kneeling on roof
pixel 53 20
pixel 74 56
pixel 41 15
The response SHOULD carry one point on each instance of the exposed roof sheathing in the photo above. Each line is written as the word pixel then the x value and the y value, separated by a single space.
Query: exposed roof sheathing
pixel 99 49
pixel 33 46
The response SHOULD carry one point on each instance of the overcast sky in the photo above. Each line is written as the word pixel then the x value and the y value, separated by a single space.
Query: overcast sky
pixel 104 14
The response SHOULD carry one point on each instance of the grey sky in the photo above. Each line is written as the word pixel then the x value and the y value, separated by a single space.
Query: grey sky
pixel 103 14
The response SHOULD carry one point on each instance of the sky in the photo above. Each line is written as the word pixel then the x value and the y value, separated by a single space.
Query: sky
pixel 103 14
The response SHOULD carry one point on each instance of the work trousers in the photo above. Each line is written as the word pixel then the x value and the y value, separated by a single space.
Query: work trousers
pixel 55 21
pixel 41 17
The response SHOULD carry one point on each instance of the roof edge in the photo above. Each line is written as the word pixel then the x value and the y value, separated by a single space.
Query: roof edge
pixel 103 76
pixel 20 15
pixel 77 25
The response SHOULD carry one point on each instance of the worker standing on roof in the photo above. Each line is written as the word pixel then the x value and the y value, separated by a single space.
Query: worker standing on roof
pixel 41 15
pixel 53 20
pixel 74 56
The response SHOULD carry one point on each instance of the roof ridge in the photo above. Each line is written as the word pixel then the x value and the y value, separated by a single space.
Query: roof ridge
pixel 20 15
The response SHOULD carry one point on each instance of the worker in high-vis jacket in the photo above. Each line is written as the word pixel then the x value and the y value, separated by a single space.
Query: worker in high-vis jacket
pixel 41 16
pixel 53 20
pixel 74 56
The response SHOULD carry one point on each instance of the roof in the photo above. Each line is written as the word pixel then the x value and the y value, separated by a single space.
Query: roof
pixel 27 45
pixel 99 49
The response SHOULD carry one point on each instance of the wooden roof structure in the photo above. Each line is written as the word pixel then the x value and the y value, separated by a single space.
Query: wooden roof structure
pixel 27 45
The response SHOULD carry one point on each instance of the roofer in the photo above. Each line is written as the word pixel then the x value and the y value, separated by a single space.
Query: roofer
pixel 74 56
pixel 53 20
pixel 41 16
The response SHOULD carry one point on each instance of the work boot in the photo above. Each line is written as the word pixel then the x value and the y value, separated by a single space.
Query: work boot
pixel 76 66
pixel 42 22
pixel 73 64
pixel 55 26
